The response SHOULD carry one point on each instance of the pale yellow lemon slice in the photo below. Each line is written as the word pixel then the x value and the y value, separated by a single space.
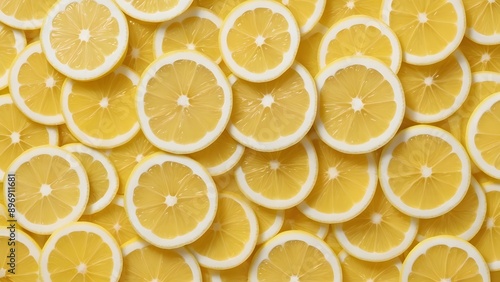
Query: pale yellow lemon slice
pixel 19 257
pixel 481 57
pixel 337 10
pixel 296 220
pixel 307 55
pixel 12 42
pixel 140 52
pixel 219 7
pixel 25 14
pixel 306 12
pixel 153 10
pixel 354 269
pixel 483 24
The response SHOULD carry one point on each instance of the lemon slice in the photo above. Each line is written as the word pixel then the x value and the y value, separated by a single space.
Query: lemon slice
pixel 259 40
pixel 82 251
pixel 143 261
pixel 184 102
pixel 219 7
pixel 360 36
pixel 296 220
pixel 232 237
pixel 361 105
pixel 428 261
pixel 12 42
pixel 262 176
pixel 307 55
pixel 428 31
pixel 295 256
pixel 434 92
pixel 274 115
pixel 102 175
pixel 332 241
pixel 35 86
pixel 25 14
pixel 65 136
pixel 238 273
pixel 153 10
pixel 337 10
pixel 481 57
pixel 354 270
pixel 32 35
pixel 52 188
pixel 26 254
pixel 140 52
pixel 306 12
pixel 379 233
pixel 483 26
pixel 83 47
pixel 4 216
pixel 196 29
pixel 170 200
pixel 101 113
pixel 19 133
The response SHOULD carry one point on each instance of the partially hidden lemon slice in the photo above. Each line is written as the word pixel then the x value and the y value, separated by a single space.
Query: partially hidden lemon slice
pixel 65 135
pixel 24 14
pixel 219 7
pixel 307 55
pixel 19 257
pixel 296 220
pixel 340 9
pixel 306 12
pixel 12 42
pixel 170 200
pixel 483 25
pixel 238 273
pixel 140 52
pixel 153 10
pixel 332 241
pixel 481 57
pixel 354 269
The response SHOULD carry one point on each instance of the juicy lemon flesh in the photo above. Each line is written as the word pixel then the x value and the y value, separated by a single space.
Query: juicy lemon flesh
pixel 218 152
pixel 154 6
pixel 107 104
pixel 354 269
pixel 486 240
pixel 355 112
pixel 176 205
pixel 84 43
pixel 227 182
pixel 80 249
pixel 481 16
pixel 26 10
pixel 332 241
pixel 302 10
pixel 337 10
pixel 481 57
pixel 238 273
pixel 307 54
pixel 219 7
pixel 65 135
pixel 97 175
pixel 258 40
pixel 183 95
pixel 486 138
pixel 295 258
pixel 28 270
pixel 47 181
pixel 441 263
pixel 140 52
pixel 424 28
pixel 8 48
pixel 114 219
pixel 295 220
pixel 266 218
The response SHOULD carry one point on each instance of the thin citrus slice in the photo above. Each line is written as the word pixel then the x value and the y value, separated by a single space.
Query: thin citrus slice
pixel 65 135
pixel 337 10
pixel 232 237
pixel 140 52
pixel 273 115
pixel 81 251
pixel 354 270
pixel 84 39
pixel 361 105
pixel 445 258
pixel 259 40
pixel 35 86
pixel 196 29
pixel 481 57
pixel 262 176
pixel 219 7
pixel 153 10
pixel 428 31
pixel 170 200
pixel 307 54
pixel 12 42
pixel 52 188
pixel 238 273
pixel 295 220
pixel 306 12
pixel 332 241
pixel 184 102
pixel 142 261
pixel 19 257
pixel 360 36
pixel 483 25
pixel 101 113
pixel 24 14
pixel 379 233
pixel 295 256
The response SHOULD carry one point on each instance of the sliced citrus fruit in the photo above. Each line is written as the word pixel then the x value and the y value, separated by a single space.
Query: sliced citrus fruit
pixel 296 220
pixel 32 35
pixel 35 86
pixel 354 269
pixel 360 36
pixel 140 52
pixel 262 176
pixel 444 258
pixel 19 256
pixel 307 54
pixel 184 102
pixel 361 105
pixel 483 26
pixel 332 241
pixel 379 233
pixel 481 57
pixel 306 12
pixel 83 47
pixel 153 10
pixel 219 7
pixel 259 40
pixel 337 10
pixel 52 188
pixel 428 31
pixel 196 29
pixel 12 42
pixel 101 113
pixel 24 14
pixel 65 135
pixel 170 200
pixel 273 115
pixel 238 273
pixel 38 238
pixel 295 256
pixel 4 215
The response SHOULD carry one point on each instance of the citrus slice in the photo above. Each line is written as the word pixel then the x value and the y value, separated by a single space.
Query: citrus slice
pixel 140 52
pixel 101 113
pixel 232 237
pixel 444 258
pixel 184 102
pixel 153 10
pixel 307 55
pixel 196 29
pixel 306 12
pixel 481 57
pixel 102 176
pixel 24 14
pixel 262 176
pixel 83 47
pixel 18 133
pixel 360 36
pixel 434 92
pixel 52 188
pixel 65 135
pixel 4 215
pixel 337 10
pixel 296 220
pixel 482 134
pixel 361 105
pixel 424 171
pixel 12 42
pixel 345 185
pixel 293 256
pixel 379 233
pixel 428 31
pixel 219 7
pixel 238 273
pixel 259 40
pixel 19 257
pixel 82 251
pixel 170 200
pixel 32 35
pixel 483 26
pixel 273 115
pixel 354 270
pixel 142 261
pixel 38 238
pixel 35 86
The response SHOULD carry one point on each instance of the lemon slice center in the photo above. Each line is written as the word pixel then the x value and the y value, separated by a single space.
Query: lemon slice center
pixel 117 227
pixel 139 157
pixel 170 201
pixel 183 101
pixel 491 1
pixel 84 35
pixel 294 278
pixel 485 58
pixel 15 137
pixel 191 46
pixel 426 171
pixel 50 82
pixel 260 40
pixel 357 104
pixel 376 218
pixel 422 18
pixel 216 227
pixel 136 53
pixel 81 268
pixel 490 223
pixel 350 5
pixel 104 102
pixel 45 190
pixel 446 280
pixel 267 101
pixel 274 164
pixel 428 81
pixel 333 173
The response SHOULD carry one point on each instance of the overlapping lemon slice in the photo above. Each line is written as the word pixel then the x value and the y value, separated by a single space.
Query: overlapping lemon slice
pixel 153 10
pixel 337 10
pixel 219 7
pixel 306 12
pixel 481 57
pixel 296 220
pixel 140 52
pixel 483 24
pixel 24 14
pixel 12 42
pixel 19 257
pixel 354 269
pixel 307 55
pixel 65 136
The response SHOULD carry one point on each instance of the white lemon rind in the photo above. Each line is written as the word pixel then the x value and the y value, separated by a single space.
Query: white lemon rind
pixel 160 16
pixel 20 44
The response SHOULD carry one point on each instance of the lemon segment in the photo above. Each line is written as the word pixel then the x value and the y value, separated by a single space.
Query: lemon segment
pixel 307 55
pixel 153 10
pixel 140 52
pixel 12 42
pixel 481 57
pixel 354 270
pixel 24 14
pixel 306 12
pixel 296 220
pixel 338 10
pixel 26 257
pixel 483 26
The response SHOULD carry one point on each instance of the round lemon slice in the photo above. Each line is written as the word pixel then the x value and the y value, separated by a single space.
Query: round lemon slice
pixel 170 200
pixel 81 46
pixel 481 57
pixel 20 256
pixel 184 102
pixel 307 13
pixel 307 55
pixel 340 9
pixel 12 42
pixel 153 10
pixel 296 220
pixel 238 273
pixel 24 14
pixel 259 40
pixel 140 52
pixel 354 270
pixel 483 26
